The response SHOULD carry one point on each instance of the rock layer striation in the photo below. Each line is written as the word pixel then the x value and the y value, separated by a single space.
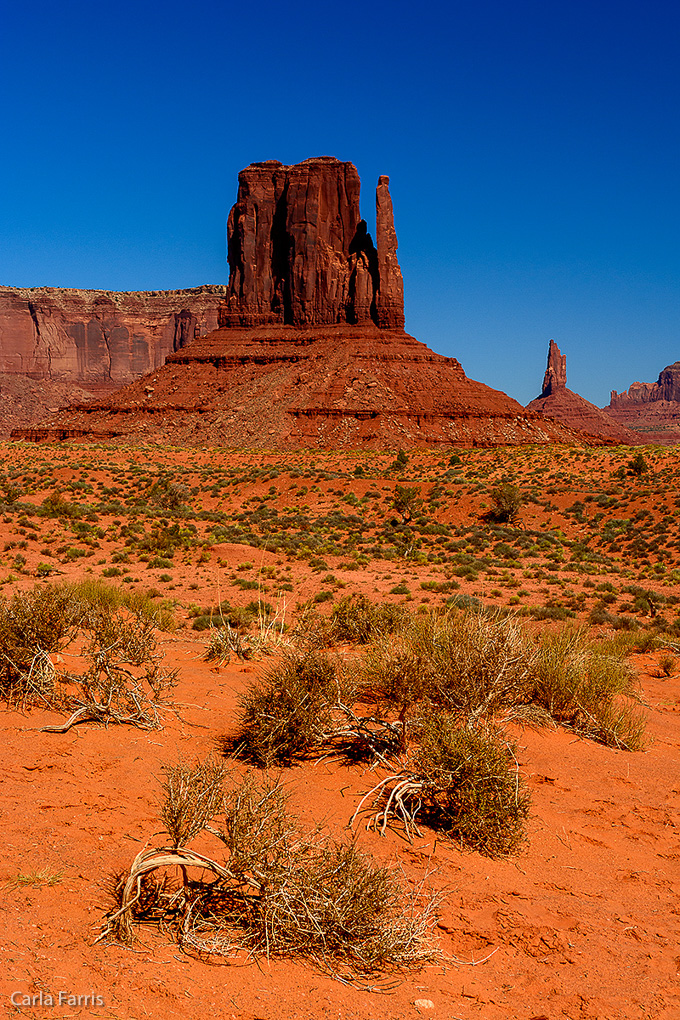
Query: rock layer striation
pixel 651 409
pixel 97 337
pixel 327 386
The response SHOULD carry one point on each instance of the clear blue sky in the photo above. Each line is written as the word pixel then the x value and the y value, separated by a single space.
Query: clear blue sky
pixel 532 149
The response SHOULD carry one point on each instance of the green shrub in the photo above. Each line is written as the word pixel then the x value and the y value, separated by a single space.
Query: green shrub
pixel 589 688
pixel 638 465
pixel 356 618
pixel 475 791
pixel 506 502
pixel 287 714
pixel 469 663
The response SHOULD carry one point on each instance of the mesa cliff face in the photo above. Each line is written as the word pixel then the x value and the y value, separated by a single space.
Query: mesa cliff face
pixel 571 409
pixel 96 337
pixel 651 409
pixel 667 387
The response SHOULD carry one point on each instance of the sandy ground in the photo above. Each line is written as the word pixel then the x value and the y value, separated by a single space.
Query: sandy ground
pixel 584 923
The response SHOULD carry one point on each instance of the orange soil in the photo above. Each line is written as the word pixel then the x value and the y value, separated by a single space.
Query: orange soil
pixel 584 924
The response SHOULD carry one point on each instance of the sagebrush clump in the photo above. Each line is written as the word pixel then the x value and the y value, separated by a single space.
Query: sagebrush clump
pixel 290 710
pixel 123 682
pixel 267 889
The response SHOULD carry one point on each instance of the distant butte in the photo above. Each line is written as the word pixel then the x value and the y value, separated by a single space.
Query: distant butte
pixel 310 349
pixel 651 409
pixel 563 405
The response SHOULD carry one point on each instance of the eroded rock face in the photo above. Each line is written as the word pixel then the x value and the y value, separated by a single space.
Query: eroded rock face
pixel 555 377
pixel 667 387
pixel 95 337
pixel 300 254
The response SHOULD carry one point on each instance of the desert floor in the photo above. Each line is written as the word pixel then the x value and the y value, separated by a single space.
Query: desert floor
pixel 583 923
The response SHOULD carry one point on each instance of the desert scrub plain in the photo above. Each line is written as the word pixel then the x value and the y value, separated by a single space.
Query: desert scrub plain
pixel 401 727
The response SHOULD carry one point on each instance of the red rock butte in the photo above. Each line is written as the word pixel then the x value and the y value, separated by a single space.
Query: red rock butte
pixel 651 409
pixel 571 409
pixel 310 349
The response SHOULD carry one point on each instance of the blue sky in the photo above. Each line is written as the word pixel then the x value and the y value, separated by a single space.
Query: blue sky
pixel 532 150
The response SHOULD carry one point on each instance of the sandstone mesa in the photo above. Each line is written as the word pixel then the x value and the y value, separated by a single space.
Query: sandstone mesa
pixel 310 348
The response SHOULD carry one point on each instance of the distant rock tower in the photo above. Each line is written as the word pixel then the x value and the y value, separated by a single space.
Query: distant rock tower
pixel 571 409
pixel 300 254
pixel 555 377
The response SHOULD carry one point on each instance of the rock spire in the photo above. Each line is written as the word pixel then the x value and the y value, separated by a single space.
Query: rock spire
pixel 555 377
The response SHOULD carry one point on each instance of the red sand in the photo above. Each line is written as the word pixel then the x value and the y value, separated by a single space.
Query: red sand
pixel 583 924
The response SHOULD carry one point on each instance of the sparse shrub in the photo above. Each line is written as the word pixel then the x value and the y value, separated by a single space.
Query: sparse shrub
pixel 465 602
pixel 407 501
pixel 223 641
pixel 124 682
pixel 400 462
pixel 476 792
pixel 461 781
pixel 667 664
pixel 353 618
pixel 506 500
pixel 638 465
pixel 224 614
pixel 120 634
pixel 168 494
pixel 193 795
pixel 469 663
pixel 290 711
pixel 55 505
pixel 275 893
pixel 588 688
pixel 33 623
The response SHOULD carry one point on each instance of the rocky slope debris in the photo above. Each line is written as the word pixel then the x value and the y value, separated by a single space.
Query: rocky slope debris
pixel 322 386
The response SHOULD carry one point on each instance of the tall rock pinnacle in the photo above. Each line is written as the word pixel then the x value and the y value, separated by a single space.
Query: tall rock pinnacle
pixel 300 254
pixel 555 377
pixel 390 297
